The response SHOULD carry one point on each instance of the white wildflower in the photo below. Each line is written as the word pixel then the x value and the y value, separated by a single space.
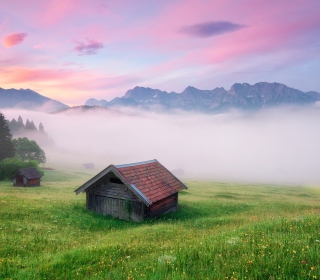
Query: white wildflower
pixel 233 240
pixel 166 259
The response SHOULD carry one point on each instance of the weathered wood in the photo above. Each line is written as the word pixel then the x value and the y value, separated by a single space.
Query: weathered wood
pixel 115 190
pixel 165 205
pixel 114 207
pixel 26 182
pixel 108 196
pixel 118 207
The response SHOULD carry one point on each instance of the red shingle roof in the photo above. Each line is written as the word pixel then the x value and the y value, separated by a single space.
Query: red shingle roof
pixel 151 178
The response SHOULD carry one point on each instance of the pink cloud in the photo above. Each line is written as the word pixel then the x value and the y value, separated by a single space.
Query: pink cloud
pixel 13 39
pixel 38 47
pixel 73 65
pixel 73 81
pixel 89 48
pixel 24 75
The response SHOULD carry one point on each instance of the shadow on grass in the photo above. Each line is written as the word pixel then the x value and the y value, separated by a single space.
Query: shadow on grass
pixel 189 212
pixel 194 211
pixel 227 196
pixel 305 195
pixel 184 193
pixel 204 215
pixel 75 215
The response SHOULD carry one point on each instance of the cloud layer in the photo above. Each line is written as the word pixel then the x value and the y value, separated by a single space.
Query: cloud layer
pixel 89 48
pixel 211 28
pixel 13 39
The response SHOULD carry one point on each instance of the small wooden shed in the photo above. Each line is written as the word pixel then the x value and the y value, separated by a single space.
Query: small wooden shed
pixel 26 177
pixel 133 191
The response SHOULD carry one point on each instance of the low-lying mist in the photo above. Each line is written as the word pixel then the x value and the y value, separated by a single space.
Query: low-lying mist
pixel 271 146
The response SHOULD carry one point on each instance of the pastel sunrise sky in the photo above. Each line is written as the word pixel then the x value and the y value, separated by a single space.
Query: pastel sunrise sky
pixel 71 50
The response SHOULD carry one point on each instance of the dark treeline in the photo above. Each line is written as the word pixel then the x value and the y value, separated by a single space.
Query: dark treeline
pixel 20 152
pixel 29 129
pixel 17 126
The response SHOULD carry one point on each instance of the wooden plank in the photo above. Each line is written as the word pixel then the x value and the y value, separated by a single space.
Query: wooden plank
pixel 115 207
pixel 108 206
pixel 166 205
pixel 123 212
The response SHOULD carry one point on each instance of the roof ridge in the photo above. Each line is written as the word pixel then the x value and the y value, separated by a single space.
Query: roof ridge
pixel 27 168
pixel 135 163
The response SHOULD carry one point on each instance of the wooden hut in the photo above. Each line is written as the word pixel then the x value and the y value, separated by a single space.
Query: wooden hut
pixel 133 191
pixel 26 177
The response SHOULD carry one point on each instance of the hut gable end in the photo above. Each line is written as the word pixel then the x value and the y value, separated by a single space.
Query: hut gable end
pixel 111 186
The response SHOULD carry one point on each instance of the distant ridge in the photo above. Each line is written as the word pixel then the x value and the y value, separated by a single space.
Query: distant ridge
pixel 79 110
pixel 242 96
pixel 29 100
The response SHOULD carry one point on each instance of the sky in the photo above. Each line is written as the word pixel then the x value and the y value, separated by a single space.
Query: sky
pixel 73 50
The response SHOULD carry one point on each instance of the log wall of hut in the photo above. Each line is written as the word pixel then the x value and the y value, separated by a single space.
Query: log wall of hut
pixel 33 182
pixel 21 181
pixel 163 206
pixel 109 196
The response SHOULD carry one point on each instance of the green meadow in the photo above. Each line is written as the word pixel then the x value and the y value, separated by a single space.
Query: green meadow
pixel 221 231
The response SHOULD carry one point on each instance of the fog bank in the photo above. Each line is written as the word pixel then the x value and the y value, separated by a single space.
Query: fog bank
pixel 273 146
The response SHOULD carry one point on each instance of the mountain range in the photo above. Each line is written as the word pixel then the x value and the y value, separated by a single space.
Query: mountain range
pixel 242 96
pixel 29 100
pixel 84 109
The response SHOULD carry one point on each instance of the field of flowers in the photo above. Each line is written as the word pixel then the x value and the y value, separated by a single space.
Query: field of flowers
pixel 221 231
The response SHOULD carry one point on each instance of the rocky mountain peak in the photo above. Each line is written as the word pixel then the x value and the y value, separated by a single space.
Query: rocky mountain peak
pixel 240 95
pixel 28 99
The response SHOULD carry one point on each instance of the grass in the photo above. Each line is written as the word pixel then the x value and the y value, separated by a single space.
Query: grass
pixel 221 231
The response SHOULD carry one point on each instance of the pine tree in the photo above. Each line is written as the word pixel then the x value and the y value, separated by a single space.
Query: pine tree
pixel 6 146
pixel 41 128
pixel 13 126
pixel 20 124
pixel 28 124
pixel 33 126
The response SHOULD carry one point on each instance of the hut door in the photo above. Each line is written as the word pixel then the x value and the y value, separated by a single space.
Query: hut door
pixel 123 210
pixel 114 207
pixel 117 208
pixel 107 206
pixel 19 180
